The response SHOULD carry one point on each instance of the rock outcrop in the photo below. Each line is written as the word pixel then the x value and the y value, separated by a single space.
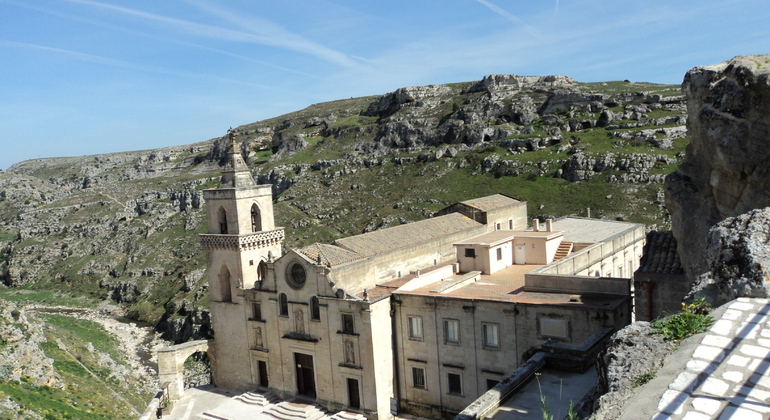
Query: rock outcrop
pixel 738 257
pixel 631 353
pixel 725 171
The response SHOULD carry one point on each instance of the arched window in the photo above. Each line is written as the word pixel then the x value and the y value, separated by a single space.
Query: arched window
pixel 224 285
pixel 315 309
pixel 283 305
pixel 256 221
pixel 222 216
pixel 261 271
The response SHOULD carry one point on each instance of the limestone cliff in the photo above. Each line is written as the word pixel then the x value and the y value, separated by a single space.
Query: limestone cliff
pixel 725 171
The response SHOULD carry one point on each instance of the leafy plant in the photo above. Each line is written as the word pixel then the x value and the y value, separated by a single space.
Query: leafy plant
pixel 571 413
pixel 692 319
pixel 644 378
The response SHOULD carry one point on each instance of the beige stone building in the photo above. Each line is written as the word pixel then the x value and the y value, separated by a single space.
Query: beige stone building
pixel 422 317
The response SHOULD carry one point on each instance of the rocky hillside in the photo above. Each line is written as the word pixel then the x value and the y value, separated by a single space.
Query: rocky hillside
pixel 123 227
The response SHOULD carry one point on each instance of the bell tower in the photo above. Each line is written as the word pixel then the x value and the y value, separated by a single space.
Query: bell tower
pixel 241 240
pixel 241 230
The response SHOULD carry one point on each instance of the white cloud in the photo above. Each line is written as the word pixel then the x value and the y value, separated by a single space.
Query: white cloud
pixel 261 32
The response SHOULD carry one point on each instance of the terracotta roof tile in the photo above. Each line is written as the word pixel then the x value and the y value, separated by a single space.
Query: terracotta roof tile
pixel 660 254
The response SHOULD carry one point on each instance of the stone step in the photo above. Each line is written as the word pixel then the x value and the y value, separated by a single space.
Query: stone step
pixel 346 415
pixel 563 250
pixel 257 398
pixel 205 416
pixel 293 411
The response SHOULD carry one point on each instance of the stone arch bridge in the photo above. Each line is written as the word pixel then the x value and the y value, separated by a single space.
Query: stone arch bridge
pixel 171 365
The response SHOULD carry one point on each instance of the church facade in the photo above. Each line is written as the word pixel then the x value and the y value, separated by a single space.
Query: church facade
pixel 422 317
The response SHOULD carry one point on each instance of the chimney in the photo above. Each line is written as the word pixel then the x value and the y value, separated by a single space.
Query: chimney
pixel 549 225
pixel 536 225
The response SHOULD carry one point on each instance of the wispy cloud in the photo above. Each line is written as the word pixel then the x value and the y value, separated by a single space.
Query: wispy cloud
pixel 515 19
pixel 107 61
pixel 260 31
pixel 150 35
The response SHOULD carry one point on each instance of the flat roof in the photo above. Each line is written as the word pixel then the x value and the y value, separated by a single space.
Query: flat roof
pixel 582 229
pixel 489 238
pixel 507 285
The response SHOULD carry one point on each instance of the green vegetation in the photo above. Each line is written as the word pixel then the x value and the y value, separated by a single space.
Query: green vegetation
pixel 78 349
pixel 52 297
pixel 644 378
pixel 546 411
pixel 693 319
pixel 7 236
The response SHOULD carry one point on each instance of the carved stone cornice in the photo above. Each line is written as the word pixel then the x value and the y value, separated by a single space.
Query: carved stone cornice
pixel 245 242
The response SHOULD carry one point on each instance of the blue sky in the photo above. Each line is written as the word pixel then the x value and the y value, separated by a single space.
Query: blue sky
pixel 81 77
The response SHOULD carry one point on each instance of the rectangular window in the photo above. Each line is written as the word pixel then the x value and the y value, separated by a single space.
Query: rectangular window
pixel 415 327
pixel 470 253
pixel 499 254
pixel 491 335
pixel 256 311
pixel 497 226
pixel 491 383
pixel 454 383
pixel 510 224
pixel 418 377
pixel 347 324
pixel 451 331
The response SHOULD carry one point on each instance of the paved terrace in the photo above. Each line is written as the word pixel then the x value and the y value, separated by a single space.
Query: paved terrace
pixel 508 285
pixel 721 374
pixel 208 402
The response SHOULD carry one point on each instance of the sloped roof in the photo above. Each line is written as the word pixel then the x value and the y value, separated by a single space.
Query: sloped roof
pixel 660 254
pixel 491 202
pixel 402 236
pixel 329 255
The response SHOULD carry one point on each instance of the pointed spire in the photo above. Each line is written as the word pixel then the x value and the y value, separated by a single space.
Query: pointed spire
pixel 235 174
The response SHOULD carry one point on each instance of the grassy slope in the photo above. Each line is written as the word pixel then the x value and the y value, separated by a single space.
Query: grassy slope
pixel 84 396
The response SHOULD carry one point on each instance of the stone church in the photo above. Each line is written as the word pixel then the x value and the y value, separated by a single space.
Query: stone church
pixel 420 318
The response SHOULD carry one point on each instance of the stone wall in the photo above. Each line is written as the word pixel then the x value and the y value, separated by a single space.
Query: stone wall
pixel 667 291
pixel 725 172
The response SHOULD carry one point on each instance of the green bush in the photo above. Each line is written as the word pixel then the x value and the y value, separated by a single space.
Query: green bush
pixel 693 319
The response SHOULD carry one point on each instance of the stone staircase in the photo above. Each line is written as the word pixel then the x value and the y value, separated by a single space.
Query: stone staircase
pixel 294 411
pixel 257 398
pixel 266 405
pixel 346 415
pixel 564 249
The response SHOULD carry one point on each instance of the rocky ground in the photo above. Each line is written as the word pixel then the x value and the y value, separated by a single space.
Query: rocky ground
pixel 139 344
pixel 29 363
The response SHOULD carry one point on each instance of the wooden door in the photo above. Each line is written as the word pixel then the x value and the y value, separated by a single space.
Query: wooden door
pixel 305 375
pixel 262 366
pixel 353 396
